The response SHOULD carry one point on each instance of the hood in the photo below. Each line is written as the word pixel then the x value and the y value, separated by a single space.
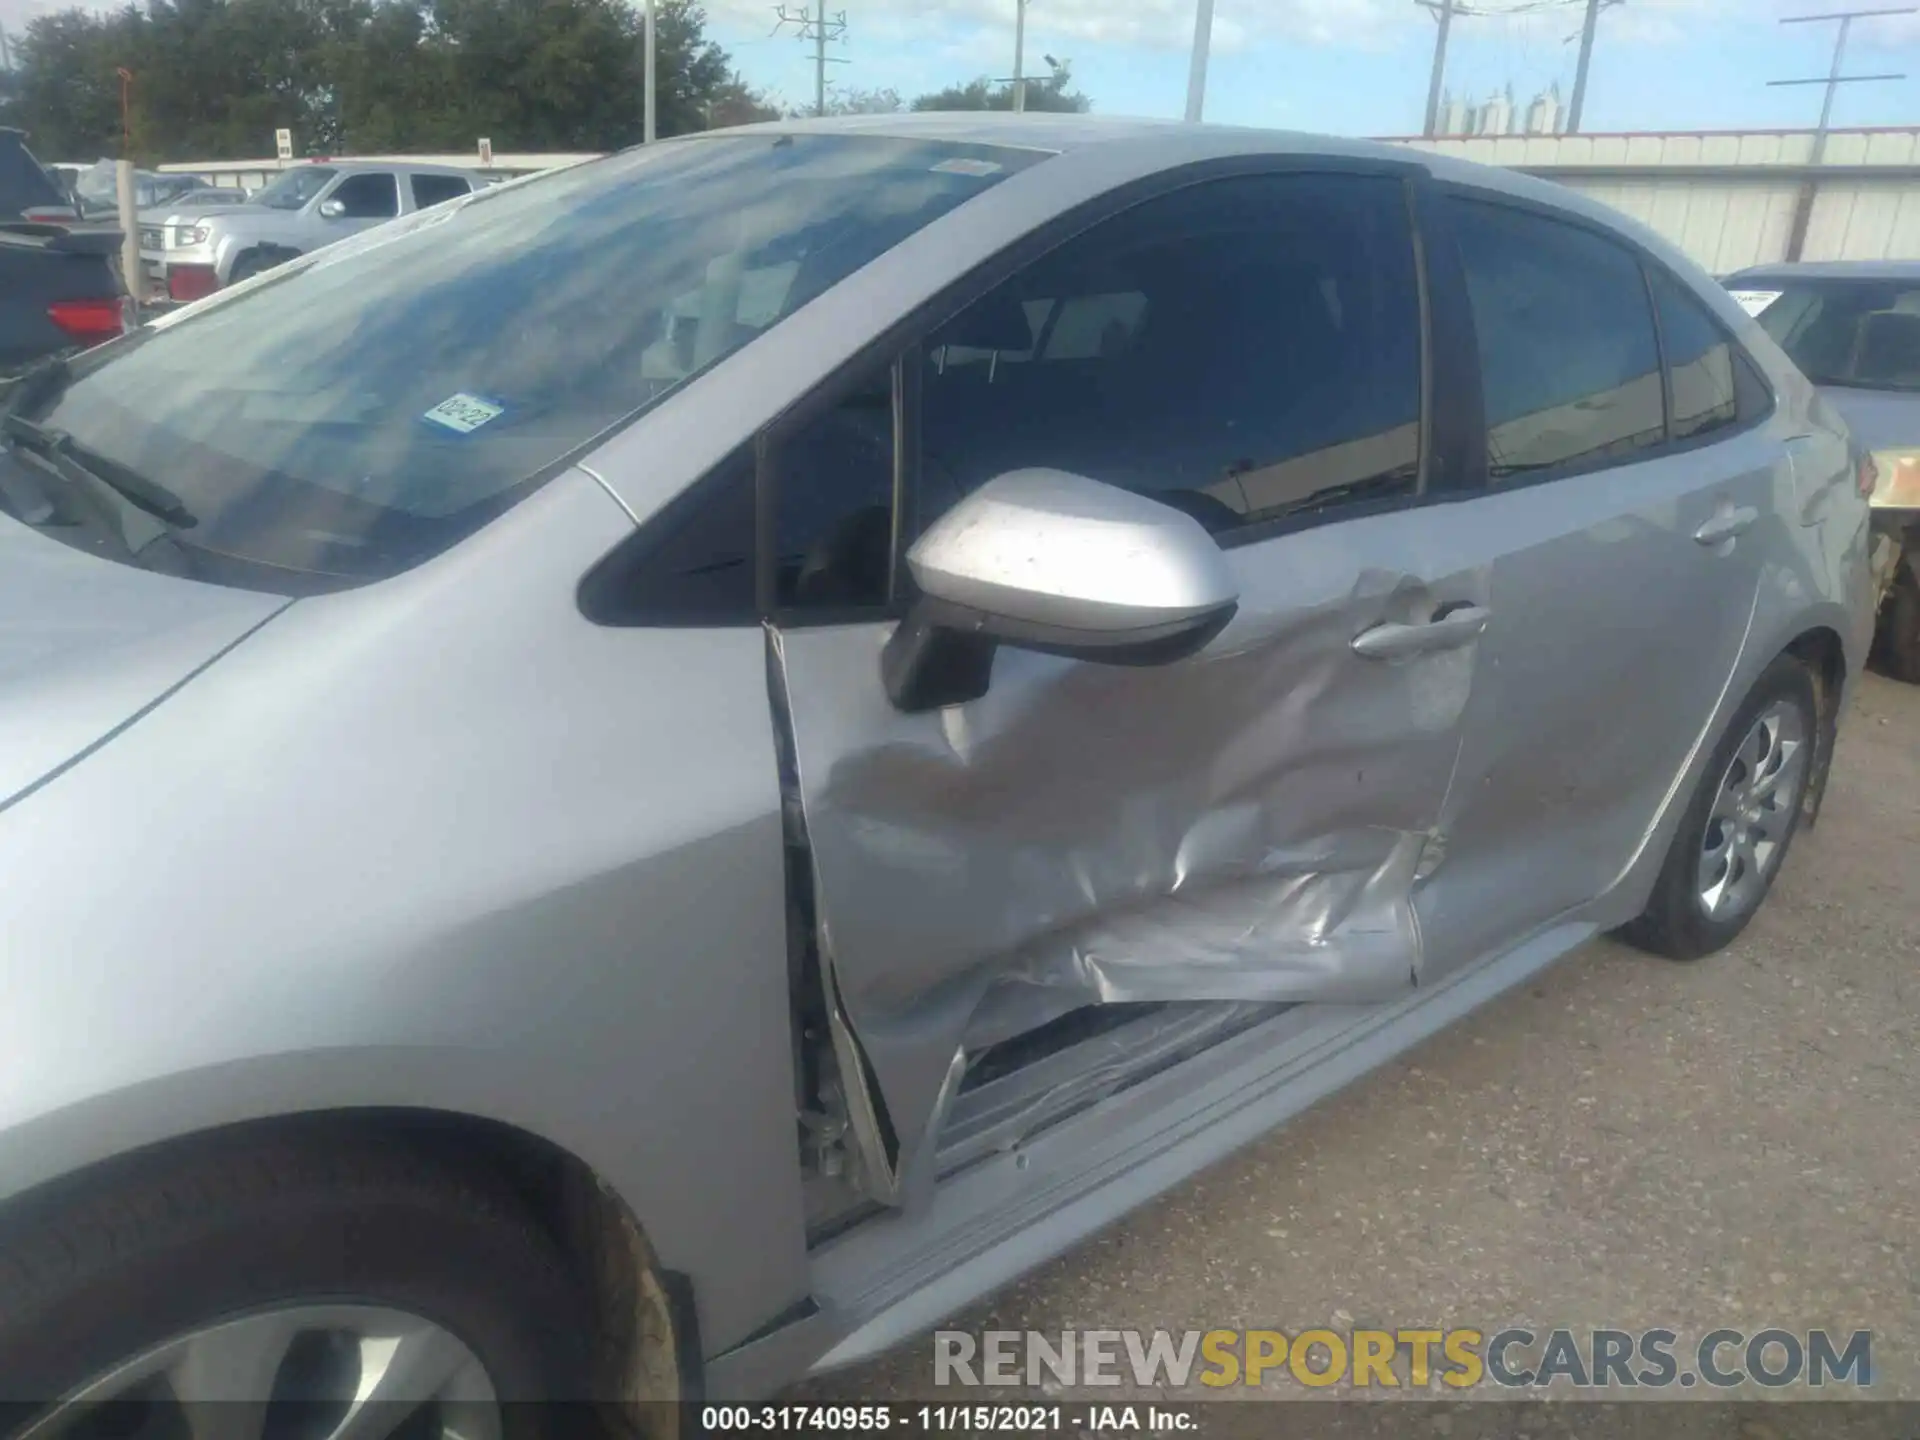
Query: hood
pixel 1878 419
pixel 88 645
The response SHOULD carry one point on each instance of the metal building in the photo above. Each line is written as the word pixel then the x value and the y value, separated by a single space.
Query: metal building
pixel 1736 198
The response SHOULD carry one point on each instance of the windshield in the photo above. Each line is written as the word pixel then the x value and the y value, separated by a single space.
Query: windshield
pixel 1863 334
pixel 371 407
pixel 294 188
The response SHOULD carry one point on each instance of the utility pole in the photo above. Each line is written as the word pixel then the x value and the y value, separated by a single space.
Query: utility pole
pixel 1809 188
pixel 815 25
pixel 1444 11
pixel 1019 55
pixel 6 55
pixel 1580 69
pixel 651 131
pixel 1197 62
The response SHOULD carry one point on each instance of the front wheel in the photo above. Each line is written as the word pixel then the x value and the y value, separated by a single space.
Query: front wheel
pixel 254 262
pixel 1728 850
pixel 352 1289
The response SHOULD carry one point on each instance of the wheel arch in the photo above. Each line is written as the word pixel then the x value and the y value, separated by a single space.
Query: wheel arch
pixel 647 1340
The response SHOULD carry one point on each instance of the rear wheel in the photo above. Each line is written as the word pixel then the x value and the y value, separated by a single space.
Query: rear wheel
pixel 347 1290
pixel 1735 835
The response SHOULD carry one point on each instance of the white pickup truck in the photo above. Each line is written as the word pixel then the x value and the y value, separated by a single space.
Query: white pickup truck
pixel 196 250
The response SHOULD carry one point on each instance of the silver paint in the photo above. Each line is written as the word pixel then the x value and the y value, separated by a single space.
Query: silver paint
pixel 441 843
pixel 1061 550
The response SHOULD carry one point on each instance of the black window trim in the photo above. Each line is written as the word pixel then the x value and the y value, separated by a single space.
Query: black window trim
pixel 1648 264
pixel 1451 440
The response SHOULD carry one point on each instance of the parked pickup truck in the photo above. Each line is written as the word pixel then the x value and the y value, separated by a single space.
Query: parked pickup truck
pixel 198 249
pixel 60 290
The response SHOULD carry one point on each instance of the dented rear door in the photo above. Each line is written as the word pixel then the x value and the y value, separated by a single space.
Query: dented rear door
pixel 1245 825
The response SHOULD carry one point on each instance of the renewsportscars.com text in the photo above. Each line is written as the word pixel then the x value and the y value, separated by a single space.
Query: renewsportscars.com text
pixel 1461 1358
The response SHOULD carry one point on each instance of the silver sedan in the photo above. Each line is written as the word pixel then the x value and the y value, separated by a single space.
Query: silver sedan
pixel 665 773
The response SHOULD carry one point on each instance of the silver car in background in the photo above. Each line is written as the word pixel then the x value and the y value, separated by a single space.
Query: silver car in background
pixel 659 776
pixel 1853 328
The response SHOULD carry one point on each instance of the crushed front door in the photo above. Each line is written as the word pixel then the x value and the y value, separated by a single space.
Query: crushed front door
pixel 1247 825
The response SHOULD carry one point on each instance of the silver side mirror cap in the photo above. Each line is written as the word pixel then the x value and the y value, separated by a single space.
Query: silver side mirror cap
pixel 1050 561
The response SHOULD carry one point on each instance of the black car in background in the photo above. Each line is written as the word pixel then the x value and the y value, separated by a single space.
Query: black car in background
pixel 27 191
pixel 60 283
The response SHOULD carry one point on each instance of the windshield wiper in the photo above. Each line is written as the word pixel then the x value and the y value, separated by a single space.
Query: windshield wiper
pixel 43 382
pixel 57 446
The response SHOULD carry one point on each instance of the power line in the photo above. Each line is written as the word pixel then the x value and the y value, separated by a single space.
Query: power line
pixel 1587 27
pixel 1833 77
pixel 1803 207
pixel 1446 11
pixel 816 25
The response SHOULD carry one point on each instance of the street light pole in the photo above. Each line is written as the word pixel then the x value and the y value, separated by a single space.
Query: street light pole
pixel 1197 63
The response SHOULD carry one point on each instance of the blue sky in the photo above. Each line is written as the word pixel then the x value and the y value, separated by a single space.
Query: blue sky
pixel 1360 67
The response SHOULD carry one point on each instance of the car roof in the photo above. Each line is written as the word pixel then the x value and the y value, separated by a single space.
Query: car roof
pixel 1166 143
pixel 1832 270
pixel 1146 146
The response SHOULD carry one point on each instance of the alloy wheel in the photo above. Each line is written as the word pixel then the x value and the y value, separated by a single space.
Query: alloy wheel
pixel 307 1372
pixel 1753 811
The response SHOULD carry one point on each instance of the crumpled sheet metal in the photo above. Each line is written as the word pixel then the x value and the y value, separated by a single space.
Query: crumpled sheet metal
pixel 1003 1113
pixel 1246 825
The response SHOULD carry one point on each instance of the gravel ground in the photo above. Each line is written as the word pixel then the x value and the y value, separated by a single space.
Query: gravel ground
pixel 1625 1142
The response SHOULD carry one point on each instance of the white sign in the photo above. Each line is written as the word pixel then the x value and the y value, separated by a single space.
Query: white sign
pixel 283 143
pixel 486 151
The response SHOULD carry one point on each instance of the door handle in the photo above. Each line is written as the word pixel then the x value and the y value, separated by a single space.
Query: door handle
pixel 1726 525
pixel 1449 632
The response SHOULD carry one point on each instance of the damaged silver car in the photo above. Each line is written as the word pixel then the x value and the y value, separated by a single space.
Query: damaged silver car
pixel 658 776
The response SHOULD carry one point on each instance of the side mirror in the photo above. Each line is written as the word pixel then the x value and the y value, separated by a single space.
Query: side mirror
pixel 1044 560
pixel 332 209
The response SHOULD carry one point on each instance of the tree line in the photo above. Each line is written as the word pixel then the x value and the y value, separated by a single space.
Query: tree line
pixel 195 79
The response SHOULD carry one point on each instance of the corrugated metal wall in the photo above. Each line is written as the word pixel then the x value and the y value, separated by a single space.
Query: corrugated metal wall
pixel 1729 199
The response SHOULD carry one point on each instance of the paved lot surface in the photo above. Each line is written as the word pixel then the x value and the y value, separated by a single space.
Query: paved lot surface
pixel 1624 1142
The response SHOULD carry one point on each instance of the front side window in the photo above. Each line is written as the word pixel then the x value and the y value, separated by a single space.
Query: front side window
pixel 1859 334
pixel 368 197
pixel 365 410
pixel 295 189
pixel 1569 364
pixel 1244 350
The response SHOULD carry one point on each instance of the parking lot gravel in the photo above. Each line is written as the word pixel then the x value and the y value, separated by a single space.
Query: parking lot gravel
pixel 1624 1142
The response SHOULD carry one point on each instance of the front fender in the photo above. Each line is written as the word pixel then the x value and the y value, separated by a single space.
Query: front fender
pixel 437 843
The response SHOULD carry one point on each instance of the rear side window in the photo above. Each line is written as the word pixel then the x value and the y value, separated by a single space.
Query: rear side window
pixel 432 189
pixel 1701 359
pixel 1569 363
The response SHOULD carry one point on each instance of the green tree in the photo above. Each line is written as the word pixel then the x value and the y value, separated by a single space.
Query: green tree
pixel 216 78
pixel 1048 93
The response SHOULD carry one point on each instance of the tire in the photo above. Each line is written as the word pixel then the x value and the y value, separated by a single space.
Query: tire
pixel 1678 922
pixel 254 262
pixel 1899 631
pixel 151 1251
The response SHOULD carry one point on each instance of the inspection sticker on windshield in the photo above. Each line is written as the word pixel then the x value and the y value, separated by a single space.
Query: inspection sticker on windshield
pixel 963 166
pixel 463 412
pixel 1754 301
